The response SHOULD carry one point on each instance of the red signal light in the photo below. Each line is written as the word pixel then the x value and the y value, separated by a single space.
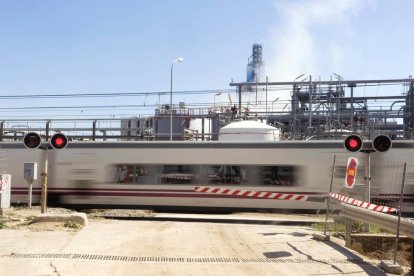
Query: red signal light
pixel 353 143
pixel 59 141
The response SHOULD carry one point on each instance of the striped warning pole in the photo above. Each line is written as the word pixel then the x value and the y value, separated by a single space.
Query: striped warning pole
pixel 250 194
pixel 363 204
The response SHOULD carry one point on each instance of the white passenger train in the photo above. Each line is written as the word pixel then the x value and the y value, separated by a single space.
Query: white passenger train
pixel 165 174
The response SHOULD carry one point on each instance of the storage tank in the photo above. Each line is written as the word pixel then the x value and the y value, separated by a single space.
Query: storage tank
pixel 248 131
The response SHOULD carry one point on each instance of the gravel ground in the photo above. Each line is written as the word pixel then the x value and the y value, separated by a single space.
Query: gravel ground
pixel 93 213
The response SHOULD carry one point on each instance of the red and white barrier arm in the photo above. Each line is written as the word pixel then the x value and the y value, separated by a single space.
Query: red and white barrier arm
pixel 251 194
pixel 363 204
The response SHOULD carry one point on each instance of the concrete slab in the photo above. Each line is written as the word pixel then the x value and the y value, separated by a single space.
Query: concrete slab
pixel 80 218
pixel 115 247
pixel 389 267
pixel 321 237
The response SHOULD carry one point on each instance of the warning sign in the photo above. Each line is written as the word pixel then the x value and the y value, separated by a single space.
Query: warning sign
pixel 351 172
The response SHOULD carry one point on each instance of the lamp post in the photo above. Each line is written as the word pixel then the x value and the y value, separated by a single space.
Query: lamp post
pixel 214 106
pixel 274 102
pixel 180 59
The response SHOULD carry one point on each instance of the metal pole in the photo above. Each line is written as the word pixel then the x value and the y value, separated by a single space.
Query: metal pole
pixel 329 195
pixel 399 214
pixel 1 131
pixel 47 130
pixel 256 89
pixel 412 256
pixel 310 101
pixel 293 110
pixel 368 178
pixel 29 195
pixel 44 185
pixel 267 80
pixel 171 110
pixel 93 130
pixel 240 99
pixel 202 129
pixel 352 104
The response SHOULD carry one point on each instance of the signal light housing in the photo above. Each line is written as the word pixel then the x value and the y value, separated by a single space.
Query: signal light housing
pixel 381 143
pixel 353 143
pixel 32 140
pixel 59 141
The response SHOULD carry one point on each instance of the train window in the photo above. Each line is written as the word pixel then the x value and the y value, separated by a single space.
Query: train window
pixel 179 174
pixel 133 173
pixel 280 175
pixel 227 174
pixel 243 175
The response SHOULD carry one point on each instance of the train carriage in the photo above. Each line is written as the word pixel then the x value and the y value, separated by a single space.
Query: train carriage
pixel 165 174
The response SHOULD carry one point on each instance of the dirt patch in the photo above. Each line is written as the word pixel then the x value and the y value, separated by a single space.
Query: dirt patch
pixel 23 218
pixel 381 247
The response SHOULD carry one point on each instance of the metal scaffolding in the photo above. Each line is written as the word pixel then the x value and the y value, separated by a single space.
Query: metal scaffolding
pixel 324 109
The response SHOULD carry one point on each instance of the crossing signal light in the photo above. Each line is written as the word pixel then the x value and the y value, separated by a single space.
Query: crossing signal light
pixel 59 141
pixel 353 143
pixel 381 143
pixel 32 140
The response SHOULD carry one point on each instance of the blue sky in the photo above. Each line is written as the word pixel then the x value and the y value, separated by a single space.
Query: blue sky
pixel 101 46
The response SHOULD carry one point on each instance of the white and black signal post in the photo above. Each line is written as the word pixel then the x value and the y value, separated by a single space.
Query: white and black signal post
pixel 381 143
pixel 33 140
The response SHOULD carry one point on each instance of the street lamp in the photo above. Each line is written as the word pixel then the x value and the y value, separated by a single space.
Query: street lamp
pixel 298 77
pixel 180 59
pixel 214 106
pixel 274 102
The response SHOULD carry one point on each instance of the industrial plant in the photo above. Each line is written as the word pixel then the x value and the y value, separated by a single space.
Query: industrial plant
pixel 313 109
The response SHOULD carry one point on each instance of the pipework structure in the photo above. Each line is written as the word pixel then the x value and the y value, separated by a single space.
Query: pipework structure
pixel 331 109
pixel 255 65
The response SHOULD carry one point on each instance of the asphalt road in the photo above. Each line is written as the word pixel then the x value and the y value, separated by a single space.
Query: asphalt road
pixel 114 247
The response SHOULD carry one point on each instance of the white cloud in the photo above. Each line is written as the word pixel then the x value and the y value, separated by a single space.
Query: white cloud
pixel 308 37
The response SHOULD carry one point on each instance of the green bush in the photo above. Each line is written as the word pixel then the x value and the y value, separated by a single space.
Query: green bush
pixel 331 227
pixel 72 224
pixel 2 224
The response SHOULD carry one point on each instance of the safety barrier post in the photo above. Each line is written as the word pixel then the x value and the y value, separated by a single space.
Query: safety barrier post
pixel 326 237
pixel 328 202
pixel 388 266
pixel 348 232
pixel 412 256
pixel 43 200
pixel 399 214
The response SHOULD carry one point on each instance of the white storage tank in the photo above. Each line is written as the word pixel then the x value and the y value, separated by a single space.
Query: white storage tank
pixel 248 131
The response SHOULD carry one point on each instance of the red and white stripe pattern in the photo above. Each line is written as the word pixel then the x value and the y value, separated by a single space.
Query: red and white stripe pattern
pixel 363 204
pixel 251 194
